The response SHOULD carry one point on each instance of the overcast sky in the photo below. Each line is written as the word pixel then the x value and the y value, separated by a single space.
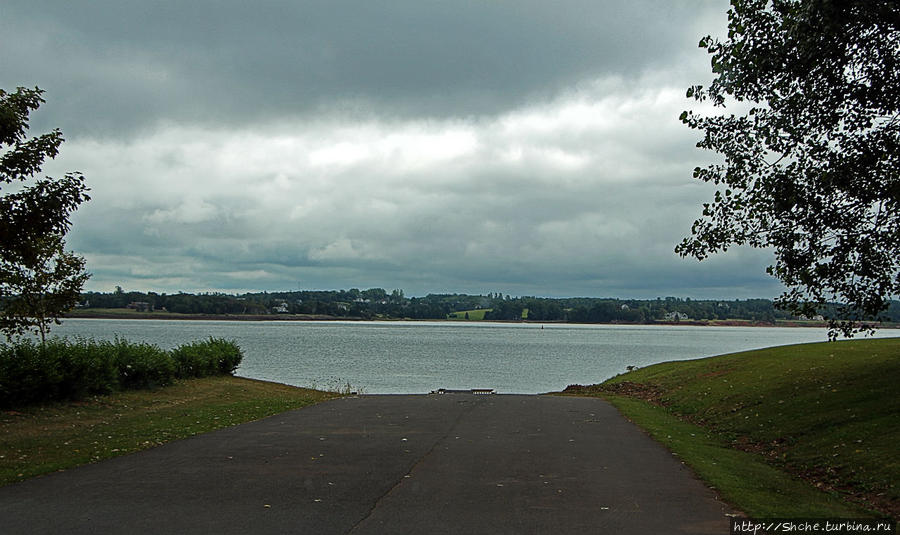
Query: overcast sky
pixel 526 147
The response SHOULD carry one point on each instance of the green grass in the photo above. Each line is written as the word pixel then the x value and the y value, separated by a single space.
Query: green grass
pixel 741 478
pixel 828 413
pixel 474 315
pixel 41 439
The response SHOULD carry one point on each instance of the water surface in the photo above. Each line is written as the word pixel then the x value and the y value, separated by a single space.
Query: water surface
pixel 417 357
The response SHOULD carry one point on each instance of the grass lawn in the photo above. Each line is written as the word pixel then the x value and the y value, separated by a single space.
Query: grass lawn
pixel 474 315
pixel 826 415
pixel 40 439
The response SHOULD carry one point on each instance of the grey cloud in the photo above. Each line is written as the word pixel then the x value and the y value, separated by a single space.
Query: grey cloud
pixel 524 147
pixel 112 66
pixel 461 206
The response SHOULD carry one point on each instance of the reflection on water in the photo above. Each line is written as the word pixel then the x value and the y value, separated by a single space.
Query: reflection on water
pixel 417 357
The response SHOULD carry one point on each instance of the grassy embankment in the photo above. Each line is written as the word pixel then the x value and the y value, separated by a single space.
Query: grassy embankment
pixel 797 431
pixel 39 439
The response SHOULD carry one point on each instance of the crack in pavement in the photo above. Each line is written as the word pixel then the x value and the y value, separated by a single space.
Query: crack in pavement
pixel 419 461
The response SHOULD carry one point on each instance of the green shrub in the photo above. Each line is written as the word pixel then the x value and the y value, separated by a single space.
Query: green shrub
pixel 194 360
pixel 65 369
pixel 142 365
pixel 215 356
pixel 230 355
pixel 87 367
pixel 27 375
pixel 58 370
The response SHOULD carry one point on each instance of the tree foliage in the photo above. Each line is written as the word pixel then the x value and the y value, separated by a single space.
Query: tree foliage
pixel 812 168
pixel 40 289
pixel 38 279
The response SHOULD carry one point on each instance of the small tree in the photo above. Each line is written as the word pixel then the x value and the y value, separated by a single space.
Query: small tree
pixel 51 283
pixel 812 169
pixel 38 279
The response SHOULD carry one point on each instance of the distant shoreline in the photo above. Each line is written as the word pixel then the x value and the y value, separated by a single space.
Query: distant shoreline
pixel 83 314
pixel 133 315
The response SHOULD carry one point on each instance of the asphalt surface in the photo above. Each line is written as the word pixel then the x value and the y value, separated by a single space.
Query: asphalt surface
pixel 453 463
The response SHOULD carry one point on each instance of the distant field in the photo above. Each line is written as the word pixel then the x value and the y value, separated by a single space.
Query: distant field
pixel 828 413
pixel 474 315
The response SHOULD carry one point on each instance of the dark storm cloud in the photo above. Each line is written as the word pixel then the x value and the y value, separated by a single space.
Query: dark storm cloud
pixel 114 65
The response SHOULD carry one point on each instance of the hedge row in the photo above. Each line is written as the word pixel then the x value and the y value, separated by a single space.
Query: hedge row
pixel 65 369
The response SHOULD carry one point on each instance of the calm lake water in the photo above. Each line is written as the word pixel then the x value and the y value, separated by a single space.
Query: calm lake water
pixel 417 357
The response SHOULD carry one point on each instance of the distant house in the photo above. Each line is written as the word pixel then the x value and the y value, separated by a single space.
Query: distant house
pixel 140 306
pixel 677 316
pixel 280 308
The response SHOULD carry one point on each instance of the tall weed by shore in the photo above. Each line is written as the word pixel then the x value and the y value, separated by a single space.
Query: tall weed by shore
pixel 64 369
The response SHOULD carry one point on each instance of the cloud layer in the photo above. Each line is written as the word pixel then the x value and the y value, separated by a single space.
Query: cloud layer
pixel 528 149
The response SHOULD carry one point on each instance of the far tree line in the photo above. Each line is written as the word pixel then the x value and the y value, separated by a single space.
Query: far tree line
pixel 377 303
